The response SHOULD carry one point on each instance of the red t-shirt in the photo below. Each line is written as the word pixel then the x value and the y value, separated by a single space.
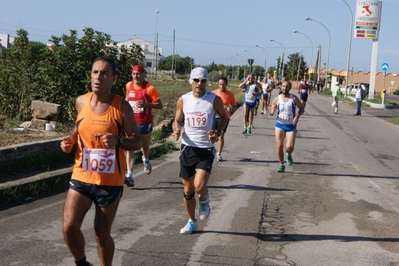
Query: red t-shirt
pixel 146 93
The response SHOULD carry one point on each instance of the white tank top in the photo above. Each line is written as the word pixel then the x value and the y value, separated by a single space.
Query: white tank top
pixel 264 87
pixel 199 118
pixel 285 110
pixel 249 96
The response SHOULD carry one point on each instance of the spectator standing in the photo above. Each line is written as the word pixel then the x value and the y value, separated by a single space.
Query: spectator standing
pixel 336 95
pixel 360 94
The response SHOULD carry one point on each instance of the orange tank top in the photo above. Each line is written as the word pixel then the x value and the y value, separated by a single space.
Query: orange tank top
pixel 94 162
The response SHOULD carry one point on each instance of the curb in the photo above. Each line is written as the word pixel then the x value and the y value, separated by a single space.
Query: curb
pixel 43 183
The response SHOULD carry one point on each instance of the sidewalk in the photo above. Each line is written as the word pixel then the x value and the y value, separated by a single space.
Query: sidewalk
pixel 29 184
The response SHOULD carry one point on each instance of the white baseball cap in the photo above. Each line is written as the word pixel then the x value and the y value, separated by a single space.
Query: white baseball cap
pixel 198 73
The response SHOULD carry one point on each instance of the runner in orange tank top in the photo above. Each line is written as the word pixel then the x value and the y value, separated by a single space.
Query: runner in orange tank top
pixel 103 130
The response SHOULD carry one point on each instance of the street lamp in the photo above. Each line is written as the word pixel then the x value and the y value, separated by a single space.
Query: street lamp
pixel 282 60
pixel 349 49
pixel 232 66
pixel 311 58
pixel 267 55
pixel 244 60
pixel 250 65
pixel 329 43
pixel 238 66
pixel 250 53
pixel 155 43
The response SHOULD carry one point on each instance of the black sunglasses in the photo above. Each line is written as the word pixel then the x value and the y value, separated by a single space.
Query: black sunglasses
pixel 198 80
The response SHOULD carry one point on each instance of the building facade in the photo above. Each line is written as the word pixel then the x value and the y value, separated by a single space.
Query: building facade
pixel 6 41
pixel 391 79
pixel 152 53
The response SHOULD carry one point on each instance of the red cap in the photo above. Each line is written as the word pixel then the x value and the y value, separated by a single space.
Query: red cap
pixel 138 68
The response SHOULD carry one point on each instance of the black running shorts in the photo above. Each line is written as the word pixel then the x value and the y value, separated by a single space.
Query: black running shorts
pixel 192 158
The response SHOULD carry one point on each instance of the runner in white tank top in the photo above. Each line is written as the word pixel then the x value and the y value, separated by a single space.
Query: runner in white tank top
pixel 287 119
pixel 251 89
pixel 197 150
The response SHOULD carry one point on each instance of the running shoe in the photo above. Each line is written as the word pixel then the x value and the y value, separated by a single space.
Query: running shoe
pixel 261 112
pixel 189 228
pixel 249 130
pixel 244 131
pixel 281 168
pixel 205 209
pixel 147 167
pixel 219 157
pixel 129 180
pixel 289 159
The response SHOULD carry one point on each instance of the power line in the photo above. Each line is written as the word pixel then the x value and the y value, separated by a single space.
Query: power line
pixel 143 34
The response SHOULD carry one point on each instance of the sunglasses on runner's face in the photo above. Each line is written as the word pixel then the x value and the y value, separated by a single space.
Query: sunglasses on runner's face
pixel 198 80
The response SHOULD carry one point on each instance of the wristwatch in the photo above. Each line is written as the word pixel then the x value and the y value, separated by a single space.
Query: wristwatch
pixel 120 140
pixel 219 132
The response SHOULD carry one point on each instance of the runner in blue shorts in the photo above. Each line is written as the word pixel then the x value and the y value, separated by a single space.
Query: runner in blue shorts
pixel 266 90
pixel 251 90
pixel 286 105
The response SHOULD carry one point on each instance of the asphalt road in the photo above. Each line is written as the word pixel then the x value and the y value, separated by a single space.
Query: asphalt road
pixel 337 205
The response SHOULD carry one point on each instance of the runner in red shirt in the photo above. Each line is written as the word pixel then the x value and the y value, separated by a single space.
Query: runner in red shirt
pixel 143 97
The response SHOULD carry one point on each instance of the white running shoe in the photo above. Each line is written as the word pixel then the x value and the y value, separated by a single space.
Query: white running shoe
pixel 189 228
pixel 219 157
pixel 147 166
pixel 205 209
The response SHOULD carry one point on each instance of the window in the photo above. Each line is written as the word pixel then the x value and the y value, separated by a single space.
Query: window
pixel 148 64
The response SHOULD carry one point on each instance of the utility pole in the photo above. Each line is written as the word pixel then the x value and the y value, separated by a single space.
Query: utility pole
pixel 173 55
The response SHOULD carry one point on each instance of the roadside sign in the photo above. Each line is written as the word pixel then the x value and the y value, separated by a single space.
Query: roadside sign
pixel 368 17
pixel 384 66
pixel 250 62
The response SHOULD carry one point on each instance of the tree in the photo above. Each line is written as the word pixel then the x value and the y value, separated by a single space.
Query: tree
pixel 295 62
pixel 19 76
pixel 58 74
pixel 258 70
pixel 271 70
pixel 181 65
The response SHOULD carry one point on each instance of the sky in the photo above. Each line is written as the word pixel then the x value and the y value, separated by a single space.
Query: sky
pixel 219 31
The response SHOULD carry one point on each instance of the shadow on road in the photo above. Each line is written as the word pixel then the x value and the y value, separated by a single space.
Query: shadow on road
pixel 303 237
